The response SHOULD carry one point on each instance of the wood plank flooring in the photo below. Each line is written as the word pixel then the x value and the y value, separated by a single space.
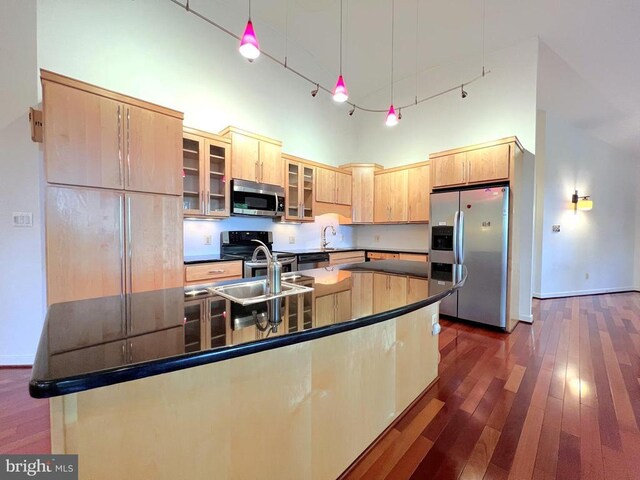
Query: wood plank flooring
pixel 559 399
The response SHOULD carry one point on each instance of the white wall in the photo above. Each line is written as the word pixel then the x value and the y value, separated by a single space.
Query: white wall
pixel 637 243
pixel 392 236
pixel 306 235
pixel 21 256
pixel 500 105
pixel 601 242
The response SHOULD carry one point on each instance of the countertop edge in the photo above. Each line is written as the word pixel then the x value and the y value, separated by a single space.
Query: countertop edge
pixel 53 388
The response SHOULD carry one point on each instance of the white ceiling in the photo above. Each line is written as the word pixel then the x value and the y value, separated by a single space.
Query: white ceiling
pixel 589 63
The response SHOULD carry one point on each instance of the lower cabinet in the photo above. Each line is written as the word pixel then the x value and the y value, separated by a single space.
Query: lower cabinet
pixel 101 243
pixel 389 291
pixel 333 308
pixel 205 324
pixel 373 256
pixel 203 273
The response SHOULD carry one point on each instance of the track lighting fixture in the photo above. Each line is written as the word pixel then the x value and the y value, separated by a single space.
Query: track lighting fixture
pixel 249 47
pixel 399 114
pixel 463 94
pixel 352 111
pixel 314 92
pixel 392 118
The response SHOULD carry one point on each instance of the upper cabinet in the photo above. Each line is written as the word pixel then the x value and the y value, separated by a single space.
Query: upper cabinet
pixel 299 188
pixel 419 188
pixel 476 164
pixel 205 174
pixel 98 138
pixel 333 186
pixel 362 191
pixel 254 157
pixel 391 202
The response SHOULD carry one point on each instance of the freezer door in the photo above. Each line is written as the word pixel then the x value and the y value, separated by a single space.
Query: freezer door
pixel 441 278
pixel 486 223
pixel 444 207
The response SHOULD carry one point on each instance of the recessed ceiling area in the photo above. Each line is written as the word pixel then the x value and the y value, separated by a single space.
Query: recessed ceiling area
pixel 589 60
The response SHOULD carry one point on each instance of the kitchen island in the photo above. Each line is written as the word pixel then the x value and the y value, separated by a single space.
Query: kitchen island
pixel 175 384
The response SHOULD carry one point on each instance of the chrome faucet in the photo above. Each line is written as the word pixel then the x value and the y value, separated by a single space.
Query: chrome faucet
pixel 323 236
pixel 274 268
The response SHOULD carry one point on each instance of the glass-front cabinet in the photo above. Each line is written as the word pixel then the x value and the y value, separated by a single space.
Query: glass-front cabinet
pixel 300 190
pixel 205 174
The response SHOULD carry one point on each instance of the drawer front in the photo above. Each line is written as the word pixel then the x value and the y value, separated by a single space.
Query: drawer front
pixel 382 256
pixel 415 257
pixel 339 258
pixel 211 271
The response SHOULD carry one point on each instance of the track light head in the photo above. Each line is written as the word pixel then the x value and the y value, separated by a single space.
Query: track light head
pixel 399 114
pixel 463 94
pixel 314 92
pixel 352 111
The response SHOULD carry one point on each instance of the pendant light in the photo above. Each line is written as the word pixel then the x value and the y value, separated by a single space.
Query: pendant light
pixel 249 47
pixel 340 93
pixel 392 118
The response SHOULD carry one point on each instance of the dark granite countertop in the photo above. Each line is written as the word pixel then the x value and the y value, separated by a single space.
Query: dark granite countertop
pixel 93 343
pixel 299 251
pixel 212 257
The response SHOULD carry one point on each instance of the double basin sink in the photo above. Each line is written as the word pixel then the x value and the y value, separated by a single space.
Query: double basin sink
pixel 247 293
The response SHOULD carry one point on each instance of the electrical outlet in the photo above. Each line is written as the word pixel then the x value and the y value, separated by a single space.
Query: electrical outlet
pixel 555 229
pixel 292 239
pixel 434 319
pixel 207 239
pixel 376 238
pixel 586 276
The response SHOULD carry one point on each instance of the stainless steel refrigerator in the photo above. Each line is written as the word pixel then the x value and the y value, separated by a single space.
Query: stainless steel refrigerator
pixel 471 227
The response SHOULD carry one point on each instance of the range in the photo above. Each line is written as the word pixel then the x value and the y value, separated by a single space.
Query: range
pixel 240 245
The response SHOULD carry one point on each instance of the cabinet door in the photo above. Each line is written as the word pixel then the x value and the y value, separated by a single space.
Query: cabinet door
pixel 85 244
pixel 362 195
pixel 193 174
pixel 161 344
pixel 343 306
pixel 324 311
pixel 82 137
pixel 417 289
pixel 419 190
pixel 99 357
pixel 449 170
pixel 382 190
pixel 153 147
pixel 343 188
pixel 245 157
pixel 216 185
pixel 307 183
pixel 397 199
pixel 488 164
pixel 154 242
pixel 271 164
pixel 293 200
pixel 362 293
pixel 325 185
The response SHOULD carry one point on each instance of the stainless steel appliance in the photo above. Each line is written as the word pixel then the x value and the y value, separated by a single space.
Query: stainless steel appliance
pixel 251 198
pixel 240 245
pixel 307 261
pixel 471 227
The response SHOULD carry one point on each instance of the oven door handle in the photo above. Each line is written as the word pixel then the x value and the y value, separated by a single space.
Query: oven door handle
pixel 287 261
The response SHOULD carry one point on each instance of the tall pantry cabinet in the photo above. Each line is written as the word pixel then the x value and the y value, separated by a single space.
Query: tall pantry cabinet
pixel 113 195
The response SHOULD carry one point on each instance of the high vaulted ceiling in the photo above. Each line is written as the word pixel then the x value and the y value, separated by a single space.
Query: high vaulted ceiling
pixel 590 53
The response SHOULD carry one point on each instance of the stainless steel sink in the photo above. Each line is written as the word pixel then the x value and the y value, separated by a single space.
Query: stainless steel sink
pixel 247 293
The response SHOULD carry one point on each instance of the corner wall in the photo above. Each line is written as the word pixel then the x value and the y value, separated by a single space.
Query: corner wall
pixel 21 249
pixel 600 243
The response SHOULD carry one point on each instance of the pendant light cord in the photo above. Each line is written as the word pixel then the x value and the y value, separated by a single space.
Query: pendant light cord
pixel 341 28
pixel 484 16
pixel 286 34
pixel 249 10
pixel 393 14
pixel 417 40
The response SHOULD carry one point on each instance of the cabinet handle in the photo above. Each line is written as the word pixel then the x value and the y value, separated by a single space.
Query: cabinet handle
pixel 216 271
pixel 301 210
pixel 128 147
pixel 202 203
pixel 120 166
pixel 469 176
pixel 261 171
pixel 207 205
pixel 130 253
pixel 257 172
pixel 123 286
pixel 124 353
pixel 130 352
pixel 409 217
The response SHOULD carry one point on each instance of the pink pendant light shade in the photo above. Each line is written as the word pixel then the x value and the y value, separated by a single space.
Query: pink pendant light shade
pixel 392 118
pixel 340 93
pixel 249 47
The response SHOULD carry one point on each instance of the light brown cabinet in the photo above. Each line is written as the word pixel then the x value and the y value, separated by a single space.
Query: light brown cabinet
pixel 333 186
pixel 373 256
pixel 205 324
pixel 390 199
pixel 389 291
pixel 205 174
pixel 97 138
pixel 203 273
pixel 102 242
pixel 477 164
pixel 413 257
pixel 300 188
pixel 333 308
pixel 419 189
pixel 362 191
pixel 254 157
pixel 341 258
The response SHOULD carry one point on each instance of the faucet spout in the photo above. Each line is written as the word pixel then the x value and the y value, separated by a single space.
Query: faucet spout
pixel 274 268
pixel 323 237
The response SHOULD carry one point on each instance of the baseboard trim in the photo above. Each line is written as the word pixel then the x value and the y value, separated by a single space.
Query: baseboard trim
pixel 525 318
pixel 16 360
pixel 583 293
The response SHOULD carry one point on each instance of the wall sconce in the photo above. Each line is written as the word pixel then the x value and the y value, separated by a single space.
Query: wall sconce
pixel 581 203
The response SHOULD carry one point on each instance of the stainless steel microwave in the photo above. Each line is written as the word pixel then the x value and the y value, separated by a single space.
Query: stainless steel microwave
pixel 261 199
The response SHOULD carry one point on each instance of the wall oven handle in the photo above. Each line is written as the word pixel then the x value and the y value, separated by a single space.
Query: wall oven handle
pixel 287 261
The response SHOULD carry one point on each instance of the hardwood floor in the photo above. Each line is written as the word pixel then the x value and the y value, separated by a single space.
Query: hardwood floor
pixel 24 421
pixel 559 399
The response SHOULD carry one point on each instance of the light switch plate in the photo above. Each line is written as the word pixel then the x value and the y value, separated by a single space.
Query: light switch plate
pixel 22 219
pixel 292 239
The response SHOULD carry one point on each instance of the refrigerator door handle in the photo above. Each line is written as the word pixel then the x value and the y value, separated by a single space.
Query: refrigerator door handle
pixel 455 236
pixel 461 237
